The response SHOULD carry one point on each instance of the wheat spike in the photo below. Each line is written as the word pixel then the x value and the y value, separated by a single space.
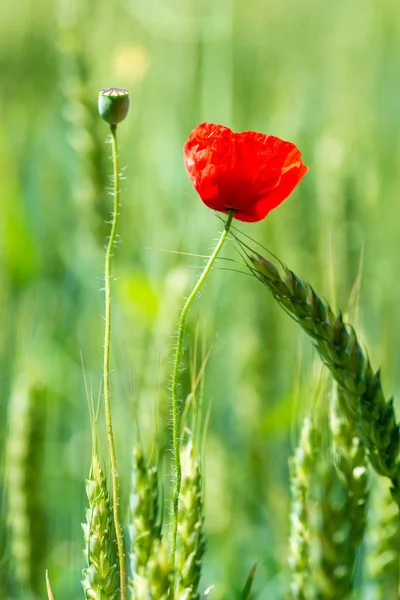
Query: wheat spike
pixel 144 529
pixel 100 580
pixel 383 560
pixel 338 534
pixel 190 525
pixel 84 133
pixel 362 398
pixel 25 514
pixel 299 542
pixel 159 572
pixel 351 463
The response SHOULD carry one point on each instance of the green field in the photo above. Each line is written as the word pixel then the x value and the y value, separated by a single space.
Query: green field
pixel 325 75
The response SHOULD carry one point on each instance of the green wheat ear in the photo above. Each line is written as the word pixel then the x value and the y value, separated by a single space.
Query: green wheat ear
pixel 160 572
pixel 328 516
pixel 383 555
pixel 337 532
pixel 100 579
pixel 301 468
pixel 83 127
pixel 144 529
pixel 191 543
pixel 24 449
pixel 362 398
pixel 351 464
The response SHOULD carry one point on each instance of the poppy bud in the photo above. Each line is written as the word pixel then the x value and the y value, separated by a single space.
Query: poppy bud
pixel 113 105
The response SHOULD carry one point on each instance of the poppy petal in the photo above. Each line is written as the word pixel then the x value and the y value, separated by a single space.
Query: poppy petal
pixel 248 172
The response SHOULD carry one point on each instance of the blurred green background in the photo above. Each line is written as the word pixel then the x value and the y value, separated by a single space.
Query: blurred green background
pixel 325 75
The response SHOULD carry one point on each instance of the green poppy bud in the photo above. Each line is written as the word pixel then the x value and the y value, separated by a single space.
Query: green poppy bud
pixel 113 105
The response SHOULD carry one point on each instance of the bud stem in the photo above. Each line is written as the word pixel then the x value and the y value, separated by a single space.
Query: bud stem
pixel 174 386
pixel 106 373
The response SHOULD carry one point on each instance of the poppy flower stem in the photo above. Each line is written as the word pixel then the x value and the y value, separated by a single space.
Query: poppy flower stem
pixel 106 373
pixel 174 386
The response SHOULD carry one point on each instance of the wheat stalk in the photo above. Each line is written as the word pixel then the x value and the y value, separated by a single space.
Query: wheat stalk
pixel 362 398
pixel 100 580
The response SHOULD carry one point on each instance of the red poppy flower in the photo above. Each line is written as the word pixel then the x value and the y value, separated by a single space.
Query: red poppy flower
pixel 250 173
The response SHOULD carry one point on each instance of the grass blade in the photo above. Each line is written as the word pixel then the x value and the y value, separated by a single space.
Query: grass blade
pixel 249 583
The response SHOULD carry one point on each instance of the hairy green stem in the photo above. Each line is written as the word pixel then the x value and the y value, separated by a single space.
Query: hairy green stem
pixel 175 377
pixel 106 374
